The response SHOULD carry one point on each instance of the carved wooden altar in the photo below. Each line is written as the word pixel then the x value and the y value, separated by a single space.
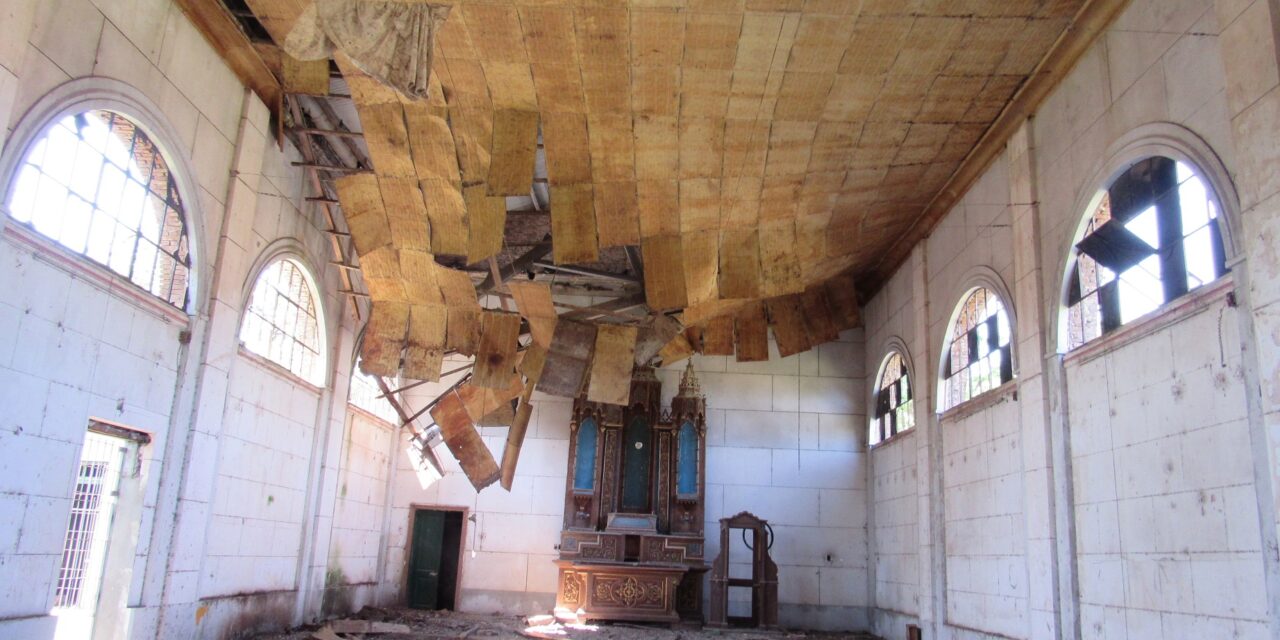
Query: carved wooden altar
pixel 632 543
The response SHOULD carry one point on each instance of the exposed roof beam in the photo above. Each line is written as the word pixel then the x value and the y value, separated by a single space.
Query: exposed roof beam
pixel 583 271
pixel 606 308
pixel 521 263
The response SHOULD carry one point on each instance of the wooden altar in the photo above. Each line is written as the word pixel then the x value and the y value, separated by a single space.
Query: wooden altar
pixel 632 543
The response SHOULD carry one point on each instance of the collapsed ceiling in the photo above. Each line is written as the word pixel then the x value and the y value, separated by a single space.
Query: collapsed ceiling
pixel 715 167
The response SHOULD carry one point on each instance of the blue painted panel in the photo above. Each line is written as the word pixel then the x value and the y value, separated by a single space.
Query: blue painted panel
pixel 687 460
pixel 584 468
pixel 636 458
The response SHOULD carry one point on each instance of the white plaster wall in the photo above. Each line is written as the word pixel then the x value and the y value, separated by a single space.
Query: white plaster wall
pixel 1166 530
pixel 783 441
pixel 362 495
pixel 1166 517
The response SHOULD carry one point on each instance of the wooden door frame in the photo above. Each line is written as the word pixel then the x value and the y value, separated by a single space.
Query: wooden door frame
pixel 414 507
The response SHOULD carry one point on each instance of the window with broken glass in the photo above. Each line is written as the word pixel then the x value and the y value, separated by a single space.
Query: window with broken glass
pixel 367 395
pixel 1154 236
pixel 280 323
pixel 894 401
pixel 97 185
pixel 979 354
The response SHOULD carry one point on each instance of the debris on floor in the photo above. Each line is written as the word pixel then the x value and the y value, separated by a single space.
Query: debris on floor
pixel 374 623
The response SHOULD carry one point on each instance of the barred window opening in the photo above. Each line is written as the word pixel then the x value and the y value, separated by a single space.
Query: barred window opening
pixel 1154 236
pixel 894 401
pixel 97 185
pixel 280 323
pixel 979 354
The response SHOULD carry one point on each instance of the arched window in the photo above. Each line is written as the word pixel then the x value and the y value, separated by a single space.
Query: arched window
pixel 97 185
pixel 894 401
pixel 281 321
pixel 367 395
pixel 978 355
pixel 1153 236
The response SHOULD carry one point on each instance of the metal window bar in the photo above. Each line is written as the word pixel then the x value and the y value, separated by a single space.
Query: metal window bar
pixel 92 505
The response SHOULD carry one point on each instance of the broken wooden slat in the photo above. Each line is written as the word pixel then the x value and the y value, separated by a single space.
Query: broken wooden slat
pixel 486 221
pixel 535 358
pixel 533 300
pixel 739 264
pixel 664 286
pixel 701 263
pixel 751 333
pixel 424 349
pixel 842 296
pixel 615 353
pixel 573 224
pixel 786 315
pixel 677 349
pixel 515 437
pixel 567 359
pixel 464 442
pixel 481 402
pixel 495 359
pixel 463 332
pixel 362 203
pixel 515 141
pixel 384 338
pixel 653 337
pixel 817 316
pixel 717 336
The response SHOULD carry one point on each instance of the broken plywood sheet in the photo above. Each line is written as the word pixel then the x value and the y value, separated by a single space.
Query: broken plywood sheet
pixel 664 284
pixel 535 358
pixel 677 349
pixel 573 224
pixel 786 315
pixel 463 331
pixel 842 296
pixel 567 359
pixel 447 212
pixel 779 266
pixel 362 204
pixel 701 266
pixel 533 300
pixel 617 214
pixel 464 442
pixel 751 333
pixel 515 141
pixel 817 316
pixel 309 77
pixel 495 359
pixel 482 402
pixel 384 338
pixel 486 222
pixel 652 337
pixel 424 348
pixel 739 264
pixel 611 367
pixel 717 336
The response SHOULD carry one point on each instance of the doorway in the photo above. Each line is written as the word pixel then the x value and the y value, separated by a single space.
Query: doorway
pixel 434 550
pixel 102 529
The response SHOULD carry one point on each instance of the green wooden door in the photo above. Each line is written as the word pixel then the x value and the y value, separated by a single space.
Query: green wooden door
pixel 424 563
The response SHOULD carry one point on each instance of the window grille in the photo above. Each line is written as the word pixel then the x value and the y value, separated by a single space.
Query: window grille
pixel 1154 236
pixel 92 504
pixel 979 351
pixel 895 401
pixel 97 185
pixel 281 325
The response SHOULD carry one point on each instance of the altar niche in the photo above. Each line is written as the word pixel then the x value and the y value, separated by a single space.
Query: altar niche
pixel 632 543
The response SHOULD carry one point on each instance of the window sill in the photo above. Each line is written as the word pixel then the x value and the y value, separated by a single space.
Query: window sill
pixel 901 435
pixel 80 266
pixel 981 402
pixel 1164 316
pixel 274 367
